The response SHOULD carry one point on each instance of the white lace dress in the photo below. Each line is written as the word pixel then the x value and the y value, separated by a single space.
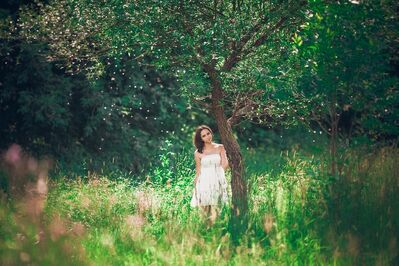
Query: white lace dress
pixel 211 187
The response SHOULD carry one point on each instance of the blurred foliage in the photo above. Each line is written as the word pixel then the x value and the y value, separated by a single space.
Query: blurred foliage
pixel 349 68
pixel 120 118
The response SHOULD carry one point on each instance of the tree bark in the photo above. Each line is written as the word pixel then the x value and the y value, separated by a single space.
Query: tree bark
pixel 333 149
pixel 239 210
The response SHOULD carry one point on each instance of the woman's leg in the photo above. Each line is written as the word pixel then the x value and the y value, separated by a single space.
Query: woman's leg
pixel 206 211
pixel 214 213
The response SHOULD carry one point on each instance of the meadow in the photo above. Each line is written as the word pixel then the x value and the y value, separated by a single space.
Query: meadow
pixel 299 215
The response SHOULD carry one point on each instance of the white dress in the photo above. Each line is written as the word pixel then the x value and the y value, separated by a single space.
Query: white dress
pixel 211 187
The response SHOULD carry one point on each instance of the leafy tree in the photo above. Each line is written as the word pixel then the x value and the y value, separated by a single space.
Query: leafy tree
pixel 29 104
pixel 218 49
pixel 346 73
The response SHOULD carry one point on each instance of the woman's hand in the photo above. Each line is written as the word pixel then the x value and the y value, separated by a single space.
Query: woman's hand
pixel 197 166
pixel 222 150
pixel 224 162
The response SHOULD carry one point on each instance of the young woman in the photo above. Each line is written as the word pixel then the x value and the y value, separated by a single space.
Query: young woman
pixel 210 186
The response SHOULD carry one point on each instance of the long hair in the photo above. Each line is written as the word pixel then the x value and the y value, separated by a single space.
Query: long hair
pixel 198 143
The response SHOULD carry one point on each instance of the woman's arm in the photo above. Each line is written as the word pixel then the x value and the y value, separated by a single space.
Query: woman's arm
pixel 224 162
pixel 197 166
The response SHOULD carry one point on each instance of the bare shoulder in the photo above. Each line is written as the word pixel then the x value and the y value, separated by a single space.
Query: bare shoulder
pixel 196 154
pixel 218 147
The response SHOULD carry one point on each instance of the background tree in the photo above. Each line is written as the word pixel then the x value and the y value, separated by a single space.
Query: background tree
pixel 347 77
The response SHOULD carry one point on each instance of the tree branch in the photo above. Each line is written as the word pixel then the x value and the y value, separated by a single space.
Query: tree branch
pixel 201 102
pixel 232 59
pixel 243 107
pixel 238 53
pixel 214 10
pixel 237 46
pixel 279 25
pixel 317 119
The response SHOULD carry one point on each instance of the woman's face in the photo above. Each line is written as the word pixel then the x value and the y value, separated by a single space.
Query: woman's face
pixel 206 136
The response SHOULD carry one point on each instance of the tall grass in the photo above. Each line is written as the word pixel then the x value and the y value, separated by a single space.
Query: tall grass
pixel 299 215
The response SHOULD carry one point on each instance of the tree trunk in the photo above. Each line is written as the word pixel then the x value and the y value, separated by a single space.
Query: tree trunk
pixel 333 150
pixel 333 140
pixel 239 210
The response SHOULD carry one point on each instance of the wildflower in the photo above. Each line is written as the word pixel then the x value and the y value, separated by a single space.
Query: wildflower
pixel 143 201
pixel 57 228
pixel 78 229
pixel 135 221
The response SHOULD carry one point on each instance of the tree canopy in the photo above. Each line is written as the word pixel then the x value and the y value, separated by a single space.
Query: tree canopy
pixel 246 41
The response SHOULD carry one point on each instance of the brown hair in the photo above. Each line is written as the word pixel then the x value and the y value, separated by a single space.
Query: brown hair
pixel 198 143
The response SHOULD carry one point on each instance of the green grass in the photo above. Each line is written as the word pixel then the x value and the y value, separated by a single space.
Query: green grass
pixel 299 215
